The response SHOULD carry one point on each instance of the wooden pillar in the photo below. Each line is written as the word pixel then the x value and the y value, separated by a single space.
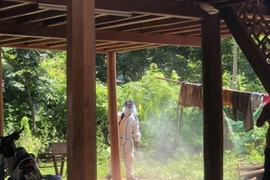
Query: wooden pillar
pixel 212 98
pixel 1 98
pixel 81 90
pixel 112 107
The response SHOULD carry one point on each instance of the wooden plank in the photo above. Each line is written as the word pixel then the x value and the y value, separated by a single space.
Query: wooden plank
pixel 252 173
pixel 56 2
pixel 60 33
pixel 188 29
pixel 116 19
pixel 174 26
pixel 148 38
pixel 59 148
pixel 179 9
pixel 56 44
pixel 59 154
pixel 81 90
pixel 130 47
pixel 18 41
pixel 40 17
pixel 19 12
pixel 43 41
pixel 139 47
pixel 33 31
pixel 114 45
pixel 112 109
pixel 4 5
pixel 117 25
pixel 212 105
pixel 8 38
pixel 230 3
pixel 153 24
pixel 255 59
pixel 41 47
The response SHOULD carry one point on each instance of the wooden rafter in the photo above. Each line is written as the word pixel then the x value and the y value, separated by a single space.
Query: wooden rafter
pixel 5 5
pixel 8 38
pixel 17 41
pixel 32 31
pixel 153 24
pixel 182 24
pixel 132 22
pixel 43 42
pixel 148 38
pixel 156 22
pixel 59 33
pixel 108 20
pixel 46 15
pixel 184 10
pixel 20 11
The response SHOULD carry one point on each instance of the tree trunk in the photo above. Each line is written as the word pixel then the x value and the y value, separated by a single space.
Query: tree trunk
pixel 234 78
pixel 31 107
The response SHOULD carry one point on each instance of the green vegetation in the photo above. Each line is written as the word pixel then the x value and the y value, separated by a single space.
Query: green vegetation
pixel 35 97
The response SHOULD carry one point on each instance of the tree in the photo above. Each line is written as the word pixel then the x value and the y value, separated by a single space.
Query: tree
pixel 23 87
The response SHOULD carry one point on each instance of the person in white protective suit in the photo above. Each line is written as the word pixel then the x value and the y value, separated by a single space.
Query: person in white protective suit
pixel 129 136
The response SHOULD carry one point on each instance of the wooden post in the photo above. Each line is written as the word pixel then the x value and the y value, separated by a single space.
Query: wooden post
pixel 212 98
pixel 113 126
pixel 1 98
pixel 81 90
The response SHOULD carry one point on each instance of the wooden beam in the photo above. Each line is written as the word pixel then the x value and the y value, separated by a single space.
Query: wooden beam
pixel 154 24
pixel 20 12
pixel 230 3
pixel 172 26
pixel 59 33
pixel 56 2
pixel 130 47
pixel 81 90
pixel 179 9
pixel 57 44
pixel 116 19
pixel 212 98
pixel 248 47
pixel 40 17
pixel 8 38
pixel 148 38
pixel 41 47
pixel 114 45
pixel 18 41
pixel 32 31
pixel 112 109
pixel 116 25
pixel 43 42
pixel 4 5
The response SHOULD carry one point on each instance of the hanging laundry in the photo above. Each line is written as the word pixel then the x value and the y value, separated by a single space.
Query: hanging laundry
pixel 241 102
pixel 266 98
pixel 256 100
pixel 227 97
pixel 191 95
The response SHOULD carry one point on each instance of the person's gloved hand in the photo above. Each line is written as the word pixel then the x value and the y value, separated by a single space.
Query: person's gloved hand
pixel 137 145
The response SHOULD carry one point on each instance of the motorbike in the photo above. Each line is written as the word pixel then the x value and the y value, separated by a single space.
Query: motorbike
pixel 16 163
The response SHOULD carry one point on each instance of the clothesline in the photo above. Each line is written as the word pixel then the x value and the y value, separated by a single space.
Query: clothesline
pixel 243 102
pixel 180 82
pixel 174 81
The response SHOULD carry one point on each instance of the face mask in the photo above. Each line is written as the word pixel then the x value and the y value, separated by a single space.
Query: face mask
pixel 130 110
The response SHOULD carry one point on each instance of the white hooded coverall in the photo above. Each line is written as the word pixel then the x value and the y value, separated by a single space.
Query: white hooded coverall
pixel 128 128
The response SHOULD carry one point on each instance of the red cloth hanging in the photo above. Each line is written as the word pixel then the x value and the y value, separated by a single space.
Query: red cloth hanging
pixel 266 98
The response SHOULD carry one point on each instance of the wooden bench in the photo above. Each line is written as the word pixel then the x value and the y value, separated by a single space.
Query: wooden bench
pixel 248 171
pixel 56 153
